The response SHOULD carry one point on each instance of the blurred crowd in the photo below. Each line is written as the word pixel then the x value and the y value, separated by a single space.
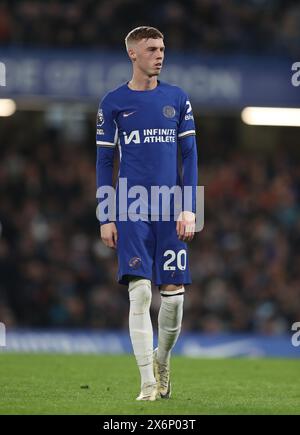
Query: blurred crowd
pixel 221 25
pixel 55 271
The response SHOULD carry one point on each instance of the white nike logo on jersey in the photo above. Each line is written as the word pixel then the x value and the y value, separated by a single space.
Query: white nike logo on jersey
pixel 128 114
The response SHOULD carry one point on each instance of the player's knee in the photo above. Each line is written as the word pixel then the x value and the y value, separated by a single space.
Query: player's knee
pixel 140 291
pixel 170 287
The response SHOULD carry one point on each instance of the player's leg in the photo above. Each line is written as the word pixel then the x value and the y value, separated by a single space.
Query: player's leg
pixel 135 254
pixel 141 334
pixel 171 268
pixel 169 320
pixel 169 327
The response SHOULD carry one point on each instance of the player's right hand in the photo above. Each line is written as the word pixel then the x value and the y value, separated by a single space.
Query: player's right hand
pixel 109 235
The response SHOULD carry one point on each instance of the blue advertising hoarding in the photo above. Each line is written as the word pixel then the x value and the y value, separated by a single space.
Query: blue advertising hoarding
pixel 118 342
pixel 212 81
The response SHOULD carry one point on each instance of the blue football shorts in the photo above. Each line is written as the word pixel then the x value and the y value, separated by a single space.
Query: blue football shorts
pixel 152 250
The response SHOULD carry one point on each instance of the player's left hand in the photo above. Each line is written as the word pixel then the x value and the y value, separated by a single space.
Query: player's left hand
pixel 185 226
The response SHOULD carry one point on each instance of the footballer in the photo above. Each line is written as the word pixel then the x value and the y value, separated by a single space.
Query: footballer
pixel 147 121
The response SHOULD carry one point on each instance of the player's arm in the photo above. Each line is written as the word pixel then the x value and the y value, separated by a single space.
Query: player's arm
pixel 187 141
pixel 106 140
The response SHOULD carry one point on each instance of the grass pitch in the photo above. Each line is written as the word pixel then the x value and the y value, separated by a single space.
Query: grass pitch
pixel 90 384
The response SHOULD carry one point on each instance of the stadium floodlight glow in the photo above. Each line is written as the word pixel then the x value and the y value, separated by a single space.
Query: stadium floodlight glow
pixel 7 107
pixel 276 116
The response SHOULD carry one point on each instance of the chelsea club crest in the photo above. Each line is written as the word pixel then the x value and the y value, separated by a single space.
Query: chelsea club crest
pixel 169 111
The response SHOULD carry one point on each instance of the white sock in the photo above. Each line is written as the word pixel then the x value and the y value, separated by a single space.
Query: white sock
pixel 140 327
pixel 169 323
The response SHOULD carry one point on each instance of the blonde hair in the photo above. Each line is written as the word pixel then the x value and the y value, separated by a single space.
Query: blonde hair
pixel 143 32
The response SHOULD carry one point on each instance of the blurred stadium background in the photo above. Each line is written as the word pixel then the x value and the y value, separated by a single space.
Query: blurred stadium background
pixel 60 58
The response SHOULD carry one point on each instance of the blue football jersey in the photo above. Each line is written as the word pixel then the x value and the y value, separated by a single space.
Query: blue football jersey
pixel 146 127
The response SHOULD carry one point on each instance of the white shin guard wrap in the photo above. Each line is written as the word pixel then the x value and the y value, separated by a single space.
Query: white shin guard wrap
pixel 140 326
pixel 169 323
